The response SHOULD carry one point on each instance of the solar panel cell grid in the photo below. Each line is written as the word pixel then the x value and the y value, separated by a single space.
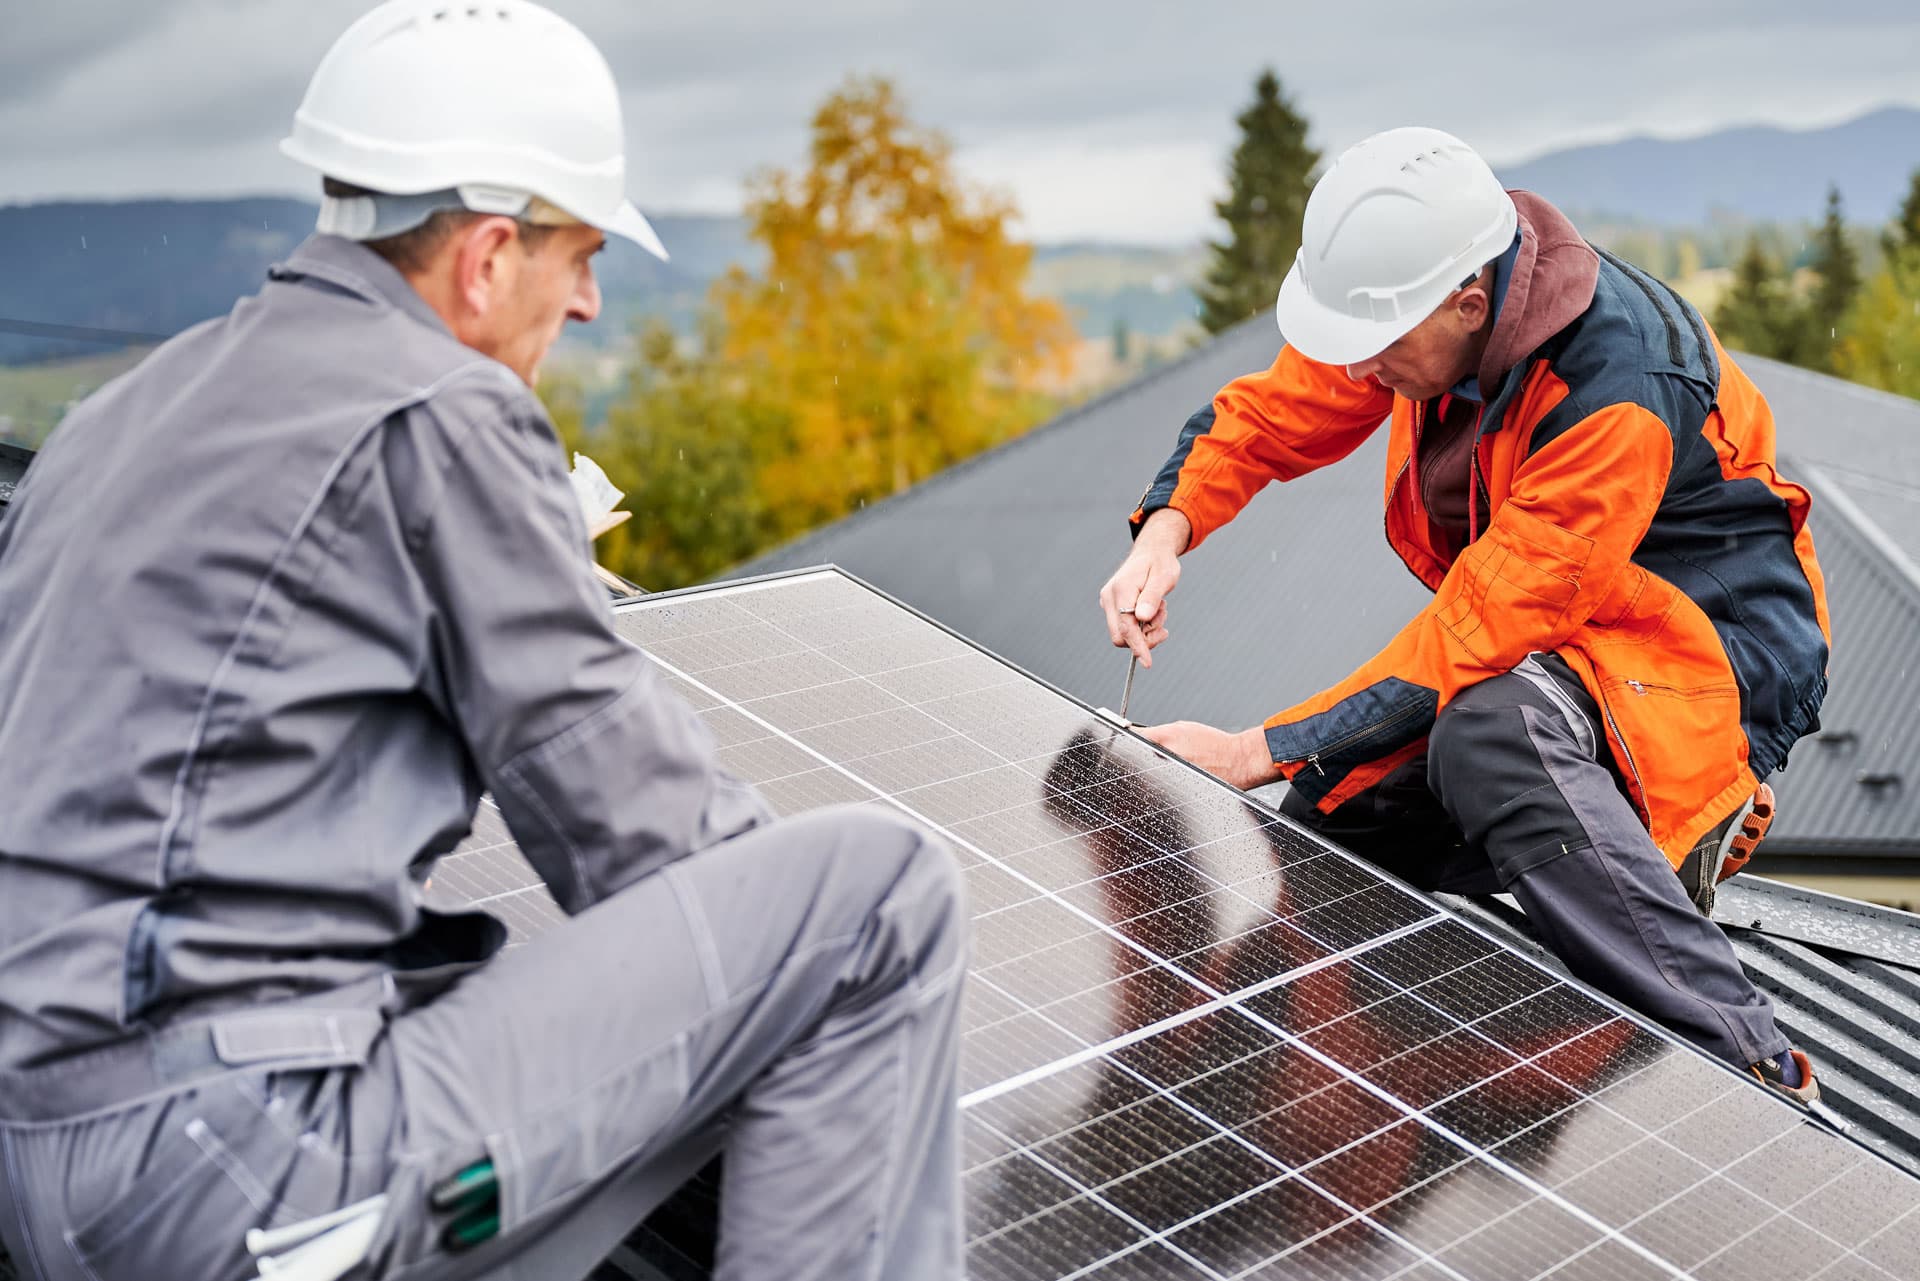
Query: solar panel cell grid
pixel 1200 1043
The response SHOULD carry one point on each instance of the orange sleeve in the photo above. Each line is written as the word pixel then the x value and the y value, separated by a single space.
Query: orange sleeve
pixel 1274 425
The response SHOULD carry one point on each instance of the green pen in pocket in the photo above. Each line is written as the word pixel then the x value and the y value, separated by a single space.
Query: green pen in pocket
pixel 472 1197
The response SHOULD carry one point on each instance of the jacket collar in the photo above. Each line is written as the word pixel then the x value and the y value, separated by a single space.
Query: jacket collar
pixel 1550 286
pixel 351 266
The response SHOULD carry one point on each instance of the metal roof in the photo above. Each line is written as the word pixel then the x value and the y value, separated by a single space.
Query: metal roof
pixel 1866 440
pixel 13 465
pixel 1011 547
pixel 1850 796
pixel 1844 977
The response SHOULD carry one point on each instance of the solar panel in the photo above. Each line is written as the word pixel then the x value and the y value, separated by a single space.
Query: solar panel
pixel 1203 1043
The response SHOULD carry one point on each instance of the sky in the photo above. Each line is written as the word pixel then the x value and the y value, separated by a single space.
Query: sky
pixel 1104 119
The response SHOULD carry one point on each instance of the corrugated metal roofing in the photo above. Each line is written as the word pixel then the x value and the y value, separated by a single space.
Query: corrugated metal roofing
pixel 1835 994
pixel 1011 548
pixel 1851 792
pixel 13 465
pixel 1866 440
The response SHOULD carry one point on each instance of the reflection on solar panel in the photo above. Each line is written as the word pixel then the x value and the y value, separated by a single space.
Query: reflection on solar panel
pixel 1203 1044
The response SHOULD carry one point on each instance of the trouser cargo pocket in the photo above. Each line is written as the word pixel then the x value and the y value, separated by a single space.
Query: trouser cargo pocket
pixel 174 1184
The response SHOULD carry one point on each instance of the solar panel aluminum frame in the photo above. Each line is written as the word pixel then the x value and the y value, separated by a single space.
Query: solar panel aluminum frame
pixel 1229 999
pixel 708 591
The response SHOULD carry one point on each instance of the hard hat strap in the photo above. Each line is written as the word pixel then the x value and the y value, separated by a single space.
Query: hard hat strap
pixel 378 215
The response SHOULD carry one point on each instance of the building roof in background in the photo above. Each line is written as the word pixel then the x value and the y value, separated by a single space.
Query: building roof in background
pixel 1011 547
pixel 13 465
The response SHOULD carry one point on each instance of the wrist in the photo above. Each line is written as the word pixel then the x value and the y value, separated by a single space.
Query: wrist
pixel 1168 528
pixel 1257 761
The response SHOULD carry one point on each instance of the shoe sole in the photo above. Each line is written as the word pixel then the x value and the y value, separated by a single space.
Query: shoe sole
pixel 1806 1094
pixel 1737 846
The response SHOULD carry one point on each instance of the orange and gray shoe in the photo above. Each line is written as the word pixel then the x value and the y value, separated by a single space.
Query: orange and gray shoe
pixel 1773 1075
pixel 1725 850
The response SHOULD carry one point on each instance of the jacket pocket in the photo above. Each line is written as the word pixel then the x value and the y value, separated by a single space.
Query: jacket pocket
pixel 1523 567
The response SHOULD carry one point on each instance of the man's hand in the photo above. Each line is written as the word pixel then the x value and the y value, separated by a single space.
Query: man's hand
pixel 1240 759
pixel 1134 599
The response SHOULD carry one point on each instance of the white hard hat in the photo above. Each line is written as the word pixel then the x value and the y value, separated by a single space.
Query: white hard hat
pixel 1401 220
pixel 485 104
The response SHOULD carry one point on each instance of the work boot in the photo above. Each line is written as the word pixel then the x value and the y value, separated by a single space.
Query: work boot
pixel 1724 851
pixel 1772 1074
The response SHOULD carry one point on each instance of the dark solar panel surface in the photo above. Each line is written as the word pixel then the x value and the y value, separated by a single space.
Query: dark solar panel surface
pixel 1202 1044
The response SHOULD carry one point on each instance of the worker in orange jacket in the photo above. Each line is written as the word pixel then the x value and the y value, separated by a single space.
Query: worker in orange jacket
pixel 1628 629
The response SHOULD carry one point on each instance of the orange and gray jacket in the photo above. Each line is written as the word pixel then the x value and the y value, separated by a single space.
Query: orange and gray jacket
pixel 1626 513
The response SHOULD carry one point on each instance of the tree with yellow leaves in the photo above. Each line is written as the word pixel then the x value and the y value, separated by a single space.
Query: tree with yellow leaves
pixel 888 335
pixel 891 320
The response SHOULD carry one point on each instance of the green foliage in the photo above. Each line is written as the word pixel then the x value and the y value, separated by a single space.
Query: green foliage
pixel 888 335
pixel 1268 183
pixel 1904 234
pixel 1763 313
pixel 1837 268
pixel 1759 313
pixel 34 398
pixel 686 445
pixel 1880 343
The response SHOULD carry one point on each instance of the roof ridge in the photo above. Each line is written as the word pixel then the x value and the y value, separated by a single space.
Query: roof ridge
pixel 1833 381
pixel 1834 495
pixel 959 470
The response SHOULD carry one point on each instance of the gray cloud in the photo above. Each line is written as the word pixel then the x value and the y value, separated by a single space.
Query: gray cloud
pixel 1102 118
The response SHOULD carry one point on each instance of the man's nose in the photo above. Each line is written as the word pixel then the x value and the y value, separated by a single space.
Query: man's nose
pixel 586 299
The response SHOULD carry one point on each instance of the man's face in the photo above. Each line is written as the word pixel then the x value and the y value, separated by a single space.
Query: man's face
pixel 542 289
pixel 1435 354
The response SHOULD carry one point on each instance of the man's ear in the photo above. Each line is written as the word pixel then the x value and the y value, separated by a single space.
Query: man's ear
pixel 483 264
pixel 1475 305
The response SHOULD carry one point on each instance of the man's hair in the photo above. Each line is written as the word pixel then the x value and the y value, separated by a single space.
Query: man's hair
pixel 412 251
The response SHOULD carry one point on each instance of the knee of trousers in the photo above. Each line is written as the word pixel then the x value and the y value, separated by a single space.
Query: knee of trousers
pixel 907 873
pixel 1482 747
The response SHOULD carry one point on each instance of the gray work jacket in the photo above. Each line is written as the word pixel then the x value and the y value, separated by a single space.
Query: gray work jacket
pixel 275 607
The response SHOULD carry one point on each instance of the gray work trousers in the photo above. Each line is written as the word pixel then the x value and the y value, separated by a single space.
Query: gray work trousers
pixel 789 997
pixel 1517 793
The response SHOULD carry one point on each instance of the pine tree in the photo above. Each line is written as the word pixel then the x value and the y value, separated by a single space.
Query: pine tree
pixel 1758 314
pixel 1837 265
pixel 1904 234
pixel 1880 345
pixel 1268 183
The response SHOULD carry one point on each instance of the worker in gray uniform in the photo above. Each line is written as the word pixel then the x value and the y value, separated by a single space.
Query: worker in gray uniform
pixel 275 609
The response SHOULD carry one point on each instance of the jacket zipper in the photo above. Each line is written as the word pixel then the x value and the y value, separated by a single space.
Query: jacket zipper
pixel 1393 492
pixel 1476 487
pixel 1626 749
pixel 1385 722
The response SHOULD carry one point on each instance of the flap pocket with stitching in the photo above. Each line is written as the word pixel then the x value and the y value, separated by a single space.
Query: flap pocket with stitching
pixel 219 1166
pixel 1523 566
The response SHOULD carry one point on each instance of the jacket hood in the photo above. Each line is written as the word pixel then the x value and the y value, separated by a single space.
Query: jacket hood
pixel 1551 286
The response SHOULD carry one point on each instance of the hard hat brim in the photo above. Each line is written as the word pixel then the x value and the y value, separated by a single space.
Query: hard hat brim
pixel 630 223
pixel 1333 338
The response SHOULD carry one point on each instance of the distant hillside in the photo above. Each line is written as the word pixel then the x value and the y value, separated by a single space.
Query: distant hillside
pixel 157 266
pixel 1757 173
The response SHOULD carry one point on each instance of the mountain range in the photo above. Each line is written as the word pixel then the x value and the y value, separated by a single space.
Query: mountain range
pixel 1758 173
pixel 156 266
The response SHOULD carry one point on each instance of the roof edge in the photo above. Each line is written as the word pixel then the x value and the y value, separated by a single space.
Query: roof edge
pixel 1832 493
